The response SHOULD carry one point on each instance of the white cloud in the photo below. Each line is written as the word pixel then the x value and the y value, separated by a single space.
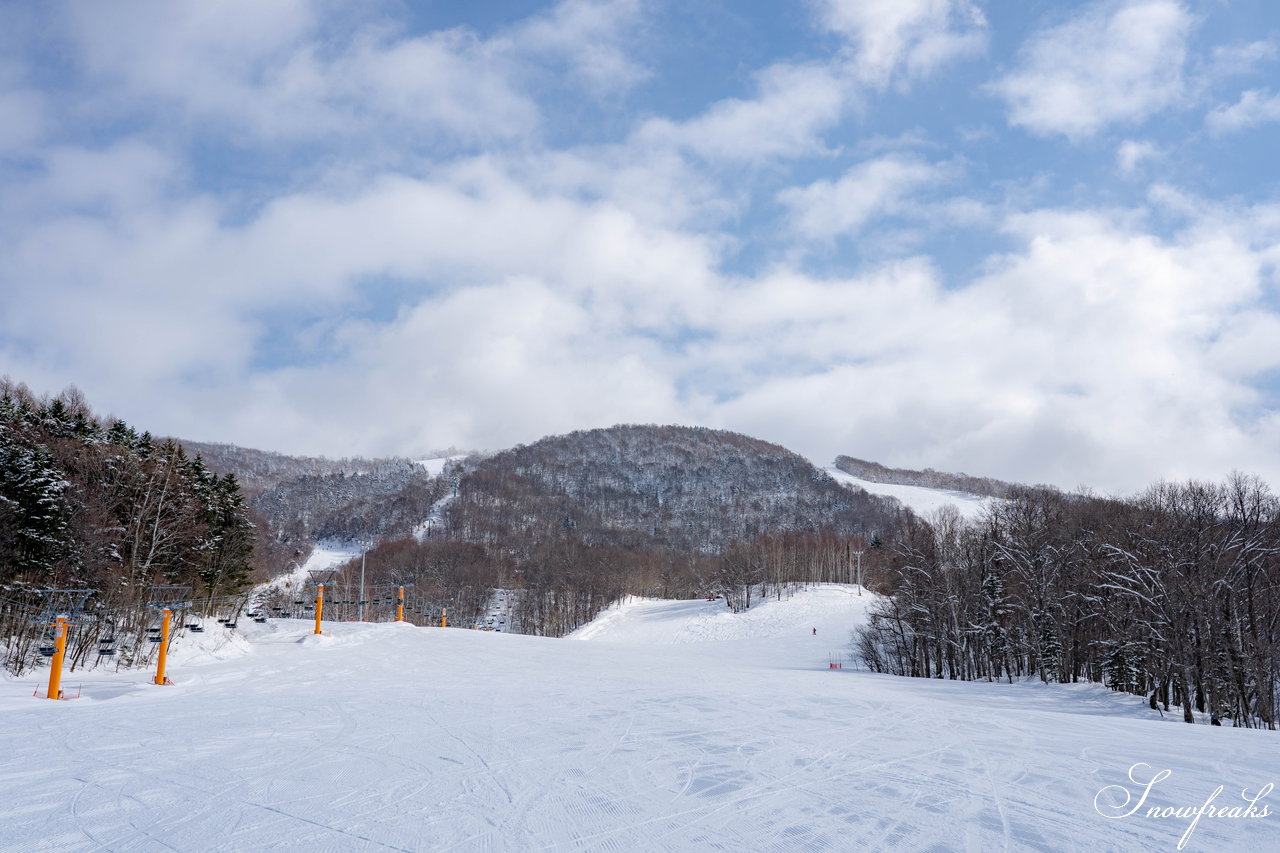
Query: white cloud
pixel 1113 63
pixel 484 367
pixel 1093 354
pixel 794 105
pixel 1244 58
pixel 1256 106
pixel 285 71
pixel 296 69
pixel 1132 153
pixel 905 39
pixel 826 209
pixel 591 37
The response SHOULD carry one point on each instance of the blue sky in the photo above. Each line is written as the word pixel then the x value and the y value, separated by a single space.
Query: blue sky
pixel 1033 240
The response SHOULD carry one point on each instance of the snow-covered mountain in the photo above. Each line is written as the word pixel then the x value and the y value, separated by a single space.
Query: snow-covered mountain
pixel 635 486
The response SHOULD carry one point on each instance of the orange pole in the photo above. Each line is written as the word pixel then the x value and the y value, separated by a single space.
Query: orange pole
pixel 319 605
pixel 444 617
pixel 400 605
pixel 164 648
pixel 60 650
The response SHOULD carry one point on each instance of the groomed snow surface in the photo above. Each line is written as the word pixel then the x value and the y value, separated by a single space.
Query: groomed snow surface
pixel 919 499
pixel 661 726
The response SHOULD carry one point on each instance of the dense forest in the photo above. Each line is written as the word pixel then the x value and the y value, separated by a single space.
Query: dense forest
pixel 93 504
pixel 1173 595
pixel 684 489
pixel 384 502
pixel 261 470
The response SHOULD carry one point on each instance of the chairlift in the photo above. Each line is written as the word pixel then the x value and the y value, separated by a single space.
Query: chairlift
pixel 156 639
pixel 260 619
pixel 106 653
pixel 231 624
pixel 107 641
pixel 48 651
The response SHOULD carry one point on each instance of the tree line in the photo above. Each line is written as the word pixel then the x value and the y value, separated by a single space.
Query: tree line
pixel 92 503
pixel 1173 595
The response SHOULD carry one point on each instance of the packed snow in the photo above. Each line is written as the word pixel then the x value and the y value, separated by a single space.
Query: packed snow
pixel 327 554
pixel 919 499
pixel 435 467
pixel 660 726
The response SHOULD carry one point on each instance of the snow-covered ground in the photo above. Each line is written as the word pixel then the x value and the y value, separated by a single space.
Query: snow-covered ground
pixel 435 467
pixel 663 726
pixel 918 499
pixel 325 555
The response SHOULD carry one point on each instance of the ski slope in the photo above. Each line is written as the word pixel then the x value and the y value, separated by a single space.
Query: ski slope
pixel 327 554
pixel 918 499
pixel 435 515
pixel 435 467
pixel 662 726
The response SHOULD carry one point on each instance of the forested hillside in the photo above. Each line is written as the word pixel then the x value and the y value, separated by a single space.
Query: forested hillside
pixel 384 502
pixel 260 470
pixel 304 499
pixel 94 504
pixel 573 522
pixel 684 489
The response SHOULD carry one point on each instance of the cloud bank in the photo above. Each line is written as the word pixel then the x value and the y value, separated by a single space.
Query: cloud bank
pixel 303 228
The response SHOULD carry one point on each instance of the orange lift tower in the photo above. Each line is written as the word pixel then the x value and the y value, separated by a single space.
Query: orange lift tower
pixel 320 578
pixel 63 608
pixel 167 599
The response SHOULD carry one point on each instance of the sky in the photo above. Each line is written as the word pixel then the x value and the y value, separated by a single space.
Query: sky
pixel 1036 240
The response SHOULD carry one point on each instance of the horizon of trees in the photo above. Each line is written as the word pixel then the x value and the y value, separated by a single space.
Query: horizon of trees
pixel 1173 595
